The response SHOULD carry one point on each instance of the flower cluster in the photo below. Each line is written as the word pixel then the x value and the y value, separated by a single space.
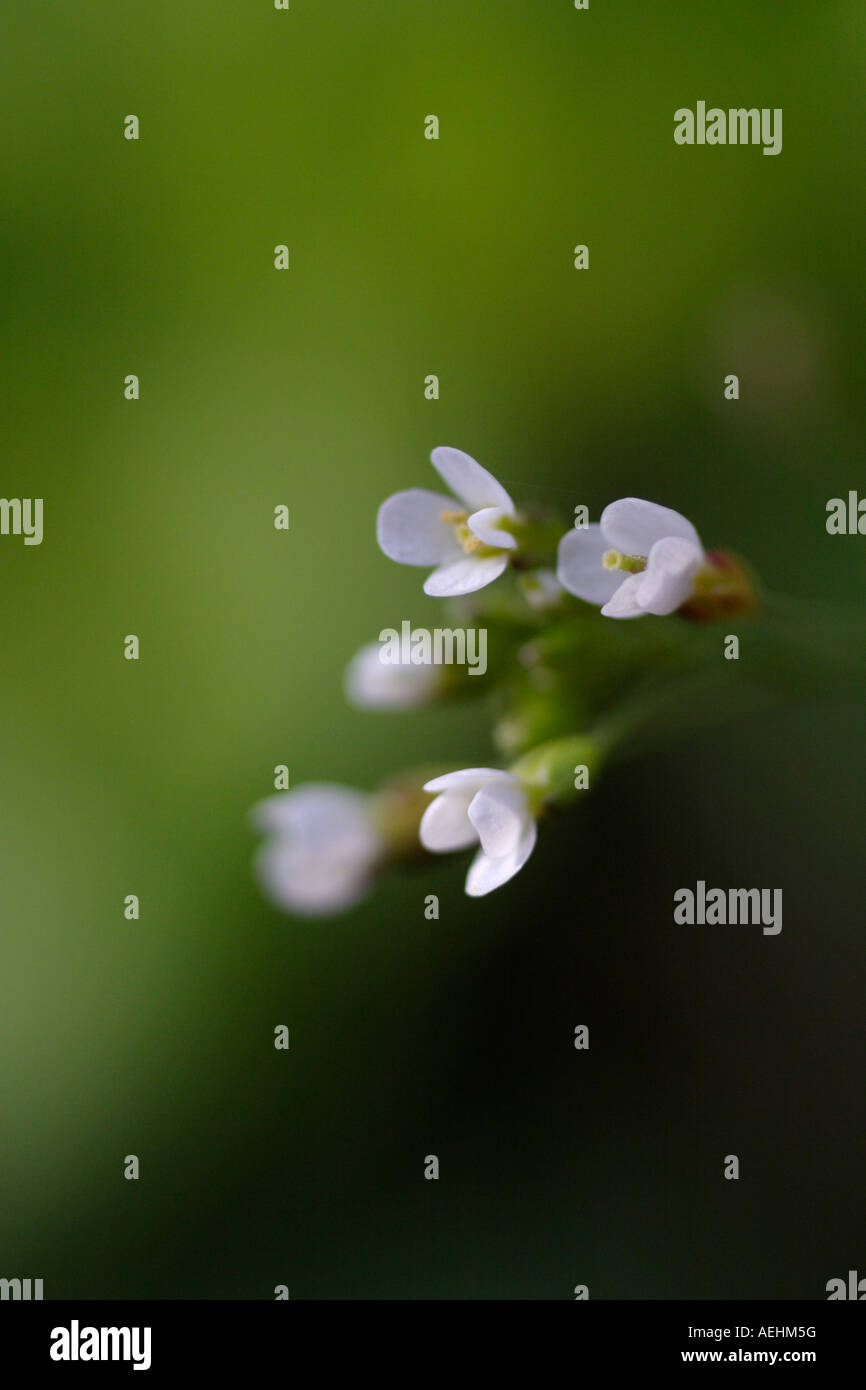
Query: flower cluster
pixel 325 844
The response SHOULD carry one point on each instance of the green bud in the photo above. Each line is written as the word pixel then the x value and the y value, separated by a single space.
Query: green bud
pixel 553 770
pixel 538 715
pixel 725 588
pixel 397 808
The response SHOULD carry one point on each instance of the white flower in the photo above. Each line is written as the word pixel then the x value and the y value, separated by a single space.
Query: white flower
pixel 641 558
pixel 322 848
pixel 468 545
pixel 372 683
pixel 481 804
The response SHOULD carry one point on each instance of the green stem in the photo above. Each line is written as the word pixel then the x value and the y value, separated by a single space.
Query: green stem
pixel 653 719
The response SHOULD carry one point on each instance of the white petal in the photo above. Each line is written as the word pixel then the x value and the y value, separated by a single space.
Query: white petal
pixel 668 578
pixel 312 884
pixel 464 576
pixel 410 529
pixel 633 526
pixel 624 603
pixel 500 815
pixel 579 568
pixel 485 525
pixel 445 826
pixel 469 481
pixel 485 873
pixel 370 683
pixel 320 817
pixel 467 777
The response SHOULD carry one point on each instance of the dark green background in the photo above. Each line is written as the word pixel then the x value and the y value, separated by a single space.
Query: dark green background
pixel 411 1037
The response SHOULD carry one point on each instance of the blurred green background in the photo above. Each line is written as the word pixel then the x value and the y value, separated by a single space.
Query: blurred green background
pixel 411 257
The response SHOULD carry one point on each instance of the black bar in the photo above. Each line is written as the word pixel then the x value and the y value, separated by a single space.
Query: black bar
pixel 222 1338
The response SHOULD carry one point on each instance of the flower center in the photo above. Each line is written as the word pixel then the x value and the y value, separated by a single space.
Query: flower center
pixel 615 560
pixel 469 542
